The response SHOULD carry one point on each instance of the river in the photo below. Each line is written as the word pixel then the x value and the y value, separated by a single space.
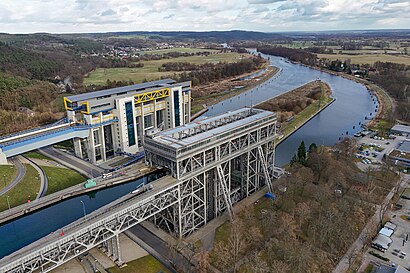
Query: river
pixel 352 104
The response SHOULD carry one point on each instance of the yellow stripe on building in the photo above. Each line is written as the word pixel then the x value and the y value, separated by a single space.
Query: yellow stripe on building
pixel 152 95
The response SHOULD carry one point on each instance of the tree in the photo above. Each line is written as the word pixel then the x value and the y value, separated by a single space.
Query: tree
pixel 312 148
pixel 302 153
pixel 203 262
pixel 228 253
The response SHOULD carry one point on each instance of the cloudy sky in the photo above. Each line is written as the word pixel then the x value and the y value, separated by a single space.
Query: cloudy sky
pixel 62 16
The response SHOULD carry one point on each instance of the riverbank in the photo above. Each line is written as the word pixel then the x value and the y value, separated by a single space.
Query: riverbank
pixel 291 122
pixel 386 108
pixel 225 89
pixel 126 175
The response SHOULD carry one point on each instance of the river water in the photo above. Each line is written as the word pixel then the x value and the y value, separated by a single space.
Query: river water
pixel 352 104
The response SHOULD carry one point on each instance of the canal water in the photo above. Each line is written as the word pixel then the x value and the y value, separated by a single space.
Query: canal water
pixel 352 104
pixel 27 229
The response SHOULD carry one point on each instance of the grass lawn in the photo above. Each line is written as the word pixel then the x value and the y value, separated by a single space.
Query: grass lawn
pixel 28 186
pixel 150 70
pixel 196 108
pixel 180 49
pixel 367 58
pixel 68 144
pixel 36 155
pixel 146 264
pixel 7 174
pixel 61 178
pixel 369 268
pixel 222 232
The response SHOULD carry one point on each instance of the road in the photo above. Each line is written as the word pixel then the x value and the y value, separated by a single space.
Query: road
pixel 160 247
pixel 21 171
pixel 72 162
pixel 43 178
pixel 343 264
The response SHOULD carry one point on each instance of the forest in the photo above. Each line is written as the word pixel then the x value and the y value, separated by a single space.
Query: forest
pixel 296 55
pixel 320 209
pixel 395 79
pixel 212 72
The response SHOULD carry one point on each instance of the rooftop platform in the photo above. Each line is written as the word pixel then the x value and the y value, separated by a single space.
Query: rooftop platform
pixel 118 90
pixel 202 132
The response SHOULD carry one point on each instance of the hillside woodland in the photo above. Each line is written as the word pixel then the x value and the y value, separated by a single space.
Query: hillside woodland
pixel 321 207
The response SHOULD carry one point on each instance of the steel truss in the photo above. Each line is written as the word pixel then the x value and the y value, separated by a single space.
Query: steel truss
pixel 100 227
pixel 218 177
pixel 208 182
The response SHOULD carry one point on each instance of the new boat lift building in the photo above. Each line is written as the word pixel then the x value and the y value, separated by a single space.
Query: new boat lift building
pixel 119 118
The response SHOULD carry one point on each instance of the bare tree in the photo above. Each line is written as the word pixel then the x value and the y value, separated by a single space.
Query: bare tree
pixel 382 211
pixel 203 261
pixel 229 253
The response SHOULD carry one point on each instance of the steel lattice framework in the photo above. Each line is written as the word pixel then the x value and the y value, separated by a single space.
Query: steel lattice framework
pixel 236 160
pixel 230 157
pixel 101 226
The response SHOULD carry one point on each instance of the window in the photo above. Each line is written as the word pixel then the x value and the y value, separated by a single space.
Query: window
pixel 100 106
pixel 130 123
pixel 176 108
pixel 148 121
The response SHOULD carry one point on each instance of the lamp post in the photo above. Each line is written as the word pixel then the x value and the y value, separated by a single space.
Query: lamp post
pixel 85 214
pixel 4 179
pixel 8 202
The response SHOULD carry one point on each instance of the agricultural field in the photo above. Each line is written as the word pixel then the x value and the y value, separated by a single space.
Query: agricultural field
pixel 368 58
pixel 180 50
pixel 150 70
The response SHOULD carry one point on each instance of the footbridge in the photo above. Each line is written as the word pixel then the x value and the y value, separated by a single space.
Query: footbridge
pixel 24 141
pixel 214 164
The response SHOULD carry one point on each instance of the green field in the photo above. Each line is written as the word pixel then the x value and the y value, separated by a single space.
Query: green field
pixel 179 49
pixel 7 174
pixel 27 188
pixel 61 178
pixel 146 264
pixel 36 155
pixel 150 70
pixel 368 58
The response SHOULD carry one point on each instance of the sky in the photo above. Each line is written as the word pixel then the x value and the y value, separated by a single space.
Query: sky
pixel 74 16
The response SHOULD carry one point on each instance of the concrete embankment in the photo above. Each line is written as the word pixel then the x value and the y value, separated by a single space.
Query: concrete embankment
pixel 122 176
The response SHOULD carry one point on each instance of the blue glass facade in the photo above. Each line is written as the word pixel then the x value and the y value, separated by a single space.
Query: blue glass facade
pixel 176 108
pixel 130 123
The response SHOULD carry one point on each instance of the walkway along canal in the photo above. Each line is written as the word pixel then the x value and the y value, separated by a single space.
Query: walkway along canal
pixel 353 103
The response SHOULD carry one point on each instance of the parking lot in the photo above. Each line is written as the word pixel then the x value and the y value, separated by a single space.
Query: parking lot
pixel 374 149
pixel 400 245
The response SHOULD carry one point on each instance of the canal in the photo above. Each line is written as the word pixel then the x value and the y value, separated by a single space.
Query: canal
pixel 352 104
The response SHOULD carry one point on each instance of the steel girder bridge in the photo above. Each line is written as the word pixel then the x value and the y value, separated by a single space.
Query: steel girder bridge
pixel 211 169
